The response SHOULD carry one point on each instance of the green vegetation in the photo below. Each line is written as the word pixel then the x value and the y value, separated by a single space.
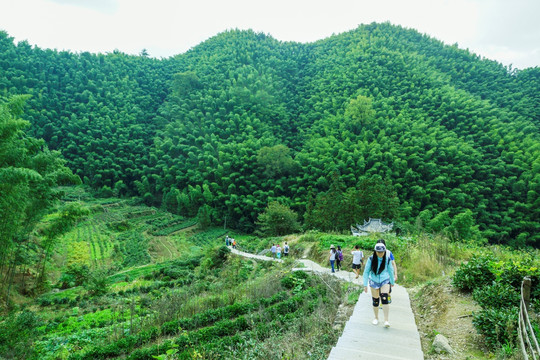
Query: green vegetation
pixel 29 175
pixel 496 287
pixel 244 132
pixel 204 302
pixel 379 121
pixel 278 220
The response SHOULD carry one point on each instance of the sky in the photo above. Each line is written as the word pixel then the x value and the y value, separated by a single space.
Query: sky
pixel 507 31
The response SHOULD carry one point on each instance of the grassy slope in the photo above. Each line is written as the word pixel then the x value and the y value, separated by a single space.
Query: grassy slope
pixel 161 267
pixel 168 282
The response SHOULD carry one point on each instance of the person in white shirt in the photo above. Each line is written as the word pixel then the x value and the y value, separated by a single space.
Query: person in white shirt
pixel 332 257
pixel 357 260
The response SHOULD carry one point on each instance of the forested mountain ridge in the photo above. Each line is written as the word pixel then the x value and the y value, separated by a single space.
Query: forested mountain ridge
pixel 243 119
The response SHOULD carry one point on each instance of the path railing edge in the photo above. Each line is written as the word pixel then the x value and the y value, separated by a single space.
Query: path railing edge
pixel 525 329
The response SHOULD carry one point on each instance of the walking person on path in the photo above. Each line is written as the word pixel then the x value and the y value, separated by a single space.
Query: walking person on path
pixel 286 250
pixel 273 249
pixel 379 273
pixel 339 258
pixel 233 243
pixel 333 254
pixel 357 259
pixel 278 251
pixel 390 255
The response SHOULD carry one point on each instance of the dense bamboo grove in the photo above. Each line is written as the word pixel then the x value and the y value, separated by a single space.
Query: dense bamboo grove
pixel 243 120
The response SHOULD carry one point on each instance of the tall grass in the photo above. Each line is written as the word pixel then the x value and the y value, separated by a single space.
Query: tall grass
pixel 429 257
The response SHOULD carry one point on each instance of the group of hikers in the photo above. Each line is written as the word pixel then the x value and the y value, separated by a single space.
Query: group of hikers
pixel 277 250
pixel 380 273
pixel 230 241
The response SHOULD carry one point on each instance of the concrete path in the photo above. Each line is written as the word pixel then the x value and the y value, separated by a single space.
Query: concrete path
pixel 361 339
pixel 253 256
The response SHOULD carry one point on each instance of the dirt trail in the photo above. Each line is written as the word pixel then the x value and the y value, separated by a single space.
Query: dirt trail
pixel 439 308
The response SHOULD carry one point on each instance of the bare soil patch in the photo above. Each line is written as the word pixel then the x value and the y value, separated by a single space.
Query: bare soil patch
pixel 439 308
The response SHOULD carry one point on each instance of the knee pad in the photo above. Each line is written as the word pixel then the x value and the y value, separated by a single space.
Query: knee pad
pixel 384 299
pixel 375 302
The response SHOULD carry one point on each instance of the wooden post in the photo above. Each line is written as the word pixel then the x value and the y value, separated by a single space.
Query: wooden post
pixel 527 291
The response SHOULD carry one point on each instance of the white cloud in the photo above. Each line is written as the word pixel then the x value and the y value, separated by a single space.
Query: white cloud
pixel 492 28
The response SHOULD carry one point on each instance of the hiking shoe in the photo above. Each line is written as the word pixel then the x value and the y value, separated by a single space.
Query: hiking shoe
pixel 386 324
pixel 375 321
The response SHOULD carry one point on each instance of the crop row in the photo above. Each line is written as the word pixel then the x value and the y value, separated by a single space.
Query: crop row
pixel 165 221
pixel 200 320
pixel 218 338
pixel 96 319
pixel 134 248
pixel 207 237
pixel 219 329
pixel 174 228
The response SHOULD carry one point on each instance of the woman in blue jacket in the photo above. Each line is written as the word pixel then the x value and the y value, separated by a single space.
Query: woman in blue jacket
pixel 379 273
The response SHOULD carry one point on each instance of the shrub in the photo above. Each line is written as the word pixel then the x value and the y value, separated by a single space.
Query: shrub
pixel 97 285
pixel 75 275
pixel 278 220
pixel 44 301
pixel 473 274
pixel 216 257
pixel 16 334
pixel 497 296
pixel 513 274
pixel 498 326
pixel 295 281
pixel 119 226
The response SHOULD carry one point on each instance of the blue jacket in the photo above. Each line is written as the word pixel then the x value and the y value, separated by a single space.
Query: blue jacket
pixel 386 274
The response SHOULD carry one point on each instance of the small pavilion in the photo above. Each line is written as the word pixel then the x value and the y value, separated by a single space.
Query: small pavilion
pixel 371 226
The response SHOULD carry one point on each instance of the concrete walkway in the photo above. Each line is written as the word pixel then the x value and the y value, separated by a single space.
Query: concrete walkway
pixel 361 339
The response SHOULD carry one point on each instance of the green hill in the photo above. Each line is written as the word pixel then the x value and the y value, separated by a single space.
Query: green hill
pixel 243 119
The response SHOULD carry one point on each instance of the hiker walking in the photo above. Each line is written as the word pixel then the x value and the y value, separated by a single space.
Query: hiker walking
pixel 390 255
pixel 233 243
pixel 332 256
pixel 339 258
pixel 227 240
pixel 357 260
pixel 286 250
pixel 278 251
pixel 379 273
pixel 273 250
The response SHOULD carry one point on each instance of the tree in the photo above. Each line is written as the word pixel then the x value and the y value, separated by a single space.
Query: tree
pixel 185 82
pixel 275 160
pixel 376 198
pixel 204 217
pixel 462 227
pixel 339 208
pixel 278 220
pixel 28 174
pixel 61 223
pixel 359 113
